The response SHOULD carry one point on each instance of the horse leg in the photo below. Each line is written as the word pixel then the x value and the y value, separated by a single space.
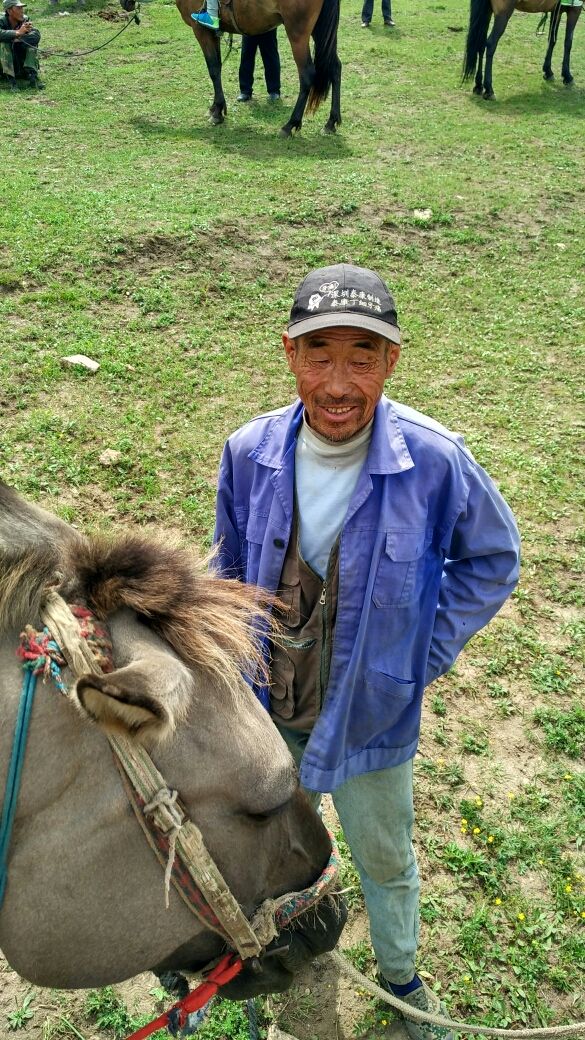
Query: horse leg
pixel 500 23
pixel 478 85
pixel 304 62
pixel 209 43
pixel 335 114
pixel 553 32
pixel 572 19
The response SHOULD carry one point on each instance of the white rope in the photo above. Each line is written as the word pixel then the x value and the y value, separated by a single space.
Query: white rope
pixel 169 819
pixel 576 1029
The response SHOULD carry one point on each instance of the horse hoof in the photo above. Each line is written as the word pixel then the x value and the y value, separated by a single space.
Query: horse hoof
pixel 567 80
pixel 285 131
pixel 329 128
pixel 548 74
pixel 488 95
pixel 478 90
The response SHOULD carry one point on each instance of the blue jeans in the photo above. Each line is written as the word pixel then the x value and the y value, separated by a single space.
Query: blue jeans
pixel 377 815
pixel 368 10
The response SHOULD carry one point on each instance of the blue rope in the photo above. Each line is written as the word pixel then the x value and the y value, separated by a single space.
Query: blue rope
pixel 14 774
pixel 253 1030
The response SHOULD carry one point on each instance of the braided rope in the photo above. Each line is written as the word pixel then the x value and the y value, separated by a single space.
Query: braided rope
pixel 576 1029
pixel 41 655
pixel 165 803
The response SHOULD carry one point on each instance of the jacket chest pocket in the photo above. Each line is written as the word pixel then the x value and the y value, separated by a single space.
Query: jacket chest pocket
pixel 400 573
pixel 289 594
pixel 251 545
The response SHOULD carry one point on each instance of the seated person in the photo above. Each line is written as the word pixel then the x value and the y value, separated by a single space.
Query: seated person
pixel 19 41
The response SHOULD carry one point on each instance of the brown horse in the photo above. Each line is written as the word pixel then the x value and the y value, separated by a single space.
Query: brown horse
pixel 302 19
pixel 478 40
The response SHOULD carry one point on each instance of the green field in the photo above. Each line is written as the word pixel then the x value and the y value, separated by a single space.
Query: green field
pixel 168 251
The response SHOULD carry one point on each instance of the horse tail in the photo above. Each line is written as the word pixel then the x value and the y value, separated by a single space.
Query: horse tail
pixel 480 12
pixel 326 60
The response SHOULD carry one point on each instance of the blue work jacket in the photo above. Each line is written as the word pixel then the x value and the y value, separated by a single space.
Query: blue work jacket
pixel 428 553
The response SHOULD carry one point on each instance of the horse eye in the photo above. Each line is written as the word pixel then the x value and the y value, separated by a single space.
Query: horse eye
pixel 268 814
pixel 260 817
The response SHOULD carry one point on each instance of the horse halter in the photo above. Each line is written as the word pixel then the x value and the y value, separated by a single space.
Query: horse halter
pixel 175 839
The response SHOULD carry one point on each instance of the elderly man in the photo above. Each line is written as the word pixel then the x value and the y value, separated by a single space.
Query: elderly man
pixel 19 41
pixel 389 547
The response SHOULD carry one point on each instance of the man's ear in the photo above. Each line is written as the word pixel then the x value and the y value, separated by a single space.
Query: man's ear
pixel 392 358
pixel 290 349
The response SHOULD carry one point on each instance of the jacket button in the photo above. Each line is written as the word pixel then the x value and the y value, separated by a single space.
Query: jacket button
pixel 278 543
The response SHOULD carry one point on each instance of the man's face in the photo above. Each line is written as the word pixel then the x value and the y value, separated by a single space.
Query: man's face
pixel 340 375
pixel 16 15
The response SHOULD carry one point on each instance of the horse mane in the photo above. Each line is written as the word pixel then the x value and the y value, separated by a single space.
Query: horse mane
pixel 211 622
pixel 34 551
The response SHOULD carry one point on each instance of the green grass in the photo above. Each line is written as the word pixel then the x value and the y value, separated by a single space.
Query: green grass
pixel 169 250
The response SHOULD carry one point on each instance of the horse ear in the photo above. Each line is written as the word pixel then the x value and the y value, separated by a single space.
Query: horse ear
pixel 123 701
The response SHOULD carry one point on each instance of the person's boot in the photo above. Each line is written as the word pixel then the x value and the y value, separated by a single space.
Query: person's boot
pixel 423 999
pixel 11 82
pixel 33 80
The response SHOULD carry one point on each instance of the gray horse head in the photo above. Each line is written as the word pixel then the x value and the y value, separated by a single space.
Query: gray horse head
pixel 84 902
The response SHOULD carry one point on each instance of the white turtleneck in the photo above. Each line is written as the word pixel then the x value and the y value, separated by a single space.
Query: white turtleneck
pixel 325 476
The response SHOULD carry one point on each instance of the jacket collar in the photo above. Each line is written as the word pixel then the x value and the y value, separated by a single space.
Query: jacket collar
pixel 387 453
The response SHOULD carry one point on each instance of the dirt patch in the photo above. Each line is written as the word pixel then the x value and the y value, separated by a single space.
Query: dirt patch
pixel 226 249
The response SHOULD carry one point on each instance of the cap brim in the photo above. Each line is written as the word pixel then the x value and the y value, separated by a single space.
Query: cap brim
pixel 349 318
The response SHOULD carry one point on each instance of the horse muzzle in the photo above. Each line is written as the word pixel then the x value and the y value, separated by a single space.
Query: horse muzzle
pixel 313 933
pixel 128 5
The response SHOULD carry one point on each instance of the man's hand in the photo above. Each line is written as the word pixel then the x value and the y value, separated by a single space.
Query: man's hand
pixel 24 28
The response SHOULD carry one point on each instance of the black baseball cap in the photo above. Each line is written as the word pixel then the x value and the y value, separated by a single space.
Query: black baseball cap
pixel 344 295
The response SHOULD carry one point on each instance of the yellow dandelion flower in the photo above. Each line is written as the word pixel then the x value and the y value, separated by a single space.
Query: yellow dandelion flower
pixel 467 979
pixel 511 795
pixel 478 802
pixel 384 1022
pixel 464 823
pixel 440 761
pixel 541 862
pixel 568 776
pixel 583 913
pixel 476 830
pixel 521 917
pixel 464 830
pixel 568 888
pixel 490 838
pixel 498 901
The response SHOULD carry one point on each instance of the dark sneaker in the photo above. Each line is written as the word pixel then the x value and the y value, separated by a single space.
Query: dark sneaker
pixel 274 96
pixel 365 25
pixel 423 999
pixel 242 96
pixel 390 22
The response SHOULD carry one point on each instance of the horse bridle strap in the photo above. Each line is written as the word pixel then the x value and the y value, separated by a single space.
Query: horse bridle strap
pixel 182 836
pixel 178 843
pixel 175 839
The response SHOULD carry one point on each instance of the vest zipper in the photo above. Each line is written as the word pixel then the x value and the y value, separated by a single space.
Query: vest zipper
pixel 323 597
